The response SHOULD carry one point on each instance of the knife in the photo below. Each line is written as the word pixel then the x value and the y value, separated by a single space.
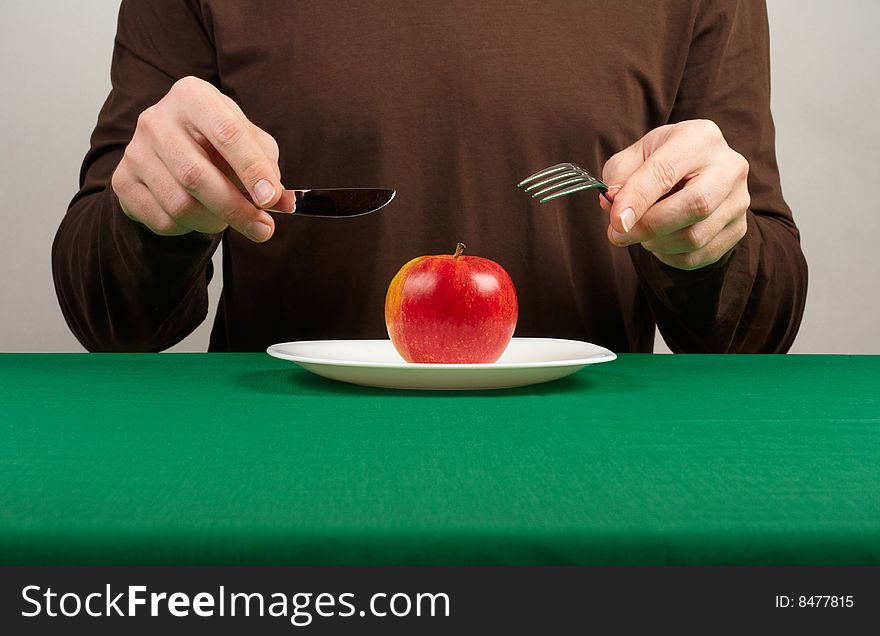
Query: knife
pixel 333 202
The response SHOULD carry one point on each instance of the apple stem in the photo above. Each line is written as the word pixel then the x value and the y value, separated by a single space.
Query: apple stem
pixel 458 250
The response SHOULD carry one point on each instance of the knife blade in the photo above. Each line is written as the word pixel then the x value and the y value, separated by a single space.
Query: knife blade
pixel 333 202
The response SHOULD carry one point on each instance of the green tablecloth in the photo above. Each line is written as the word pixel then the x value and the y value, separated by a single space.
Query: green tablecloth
pixel 244 459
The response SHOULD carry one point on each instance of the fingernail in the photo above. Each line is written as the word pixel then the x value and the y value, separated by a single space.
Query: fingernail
pixel 258 231
pixel 264 191
pixel 627 219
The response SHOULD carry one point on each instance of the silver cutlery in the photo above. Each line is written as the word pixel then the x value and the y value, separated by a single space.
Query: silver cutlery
pixel 333 202
pixel 559 181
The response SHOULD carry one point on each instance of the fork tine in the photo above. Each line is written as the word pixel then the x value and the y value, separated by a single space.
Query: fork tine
pixel 561 184
pixel 555 177
pixel 545 172
pixel 561 180
pixel 571 189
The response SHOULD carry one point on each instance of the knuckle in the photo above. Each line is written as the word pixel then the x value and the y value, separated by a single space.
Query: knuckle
pixel 133 155
pixel 186 85
pixel 127 156
pixel 163 225
pixel 741 165
pixel 694 237
pixel 253 171
pixel 701 205
pixel 664 173
pixel 239 216
pixel 611 166
pixel 709 129
pixel 147 120
pixel 742 229
pixel 119 180
pixel 689 261
pixel 190 174
pixel 227 132
pixel 273 150
pixel 233 218
pixel 179 205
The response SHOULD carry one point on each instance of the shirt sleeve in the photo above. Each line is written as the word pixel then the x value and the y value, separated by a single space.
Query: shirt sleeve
pixel 753 300
pixel 121 287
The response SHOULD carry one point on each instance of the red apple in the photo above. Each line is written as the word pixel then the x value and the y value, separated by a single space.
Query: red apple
pixel 451 308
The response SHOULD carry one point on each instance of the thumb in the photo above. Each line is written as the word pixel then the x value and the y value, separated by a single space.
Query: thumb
pixel 626 167
pixel 617 171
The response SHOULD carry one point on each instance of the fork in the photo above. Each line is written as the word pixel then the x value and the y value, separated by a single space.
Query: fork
pixel 559 181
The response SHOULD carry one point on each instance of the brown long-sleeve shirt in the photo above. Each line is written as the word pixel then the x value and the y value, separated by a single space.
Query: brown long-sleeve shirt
pixel 451 103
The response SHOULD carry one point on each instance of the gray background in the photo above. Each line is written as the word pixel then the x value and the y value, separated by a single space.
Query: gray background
pixel 54 61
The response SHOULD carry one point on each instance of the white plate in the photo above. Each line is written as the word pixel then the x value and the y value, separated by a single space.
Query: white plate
pixel 376 363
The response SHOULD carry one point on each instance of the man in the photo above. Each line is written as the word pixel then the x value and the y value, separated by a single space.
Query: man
pixel 451 104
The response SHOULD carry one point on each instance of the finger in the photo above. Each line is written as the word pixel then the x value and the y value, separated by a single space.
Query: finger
pixel 208 113
pixel 122 182
pixel 176 201
pixel 620 167
pixel 135 198
pixel 717 248
pixel 617 170
pixel 696 201
pixel 265 140
pixel 270 147
pixel 287 202
pixel 699 235
pixel 217 159
pixel 140 205
pixel 188 163
pixel 681 155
